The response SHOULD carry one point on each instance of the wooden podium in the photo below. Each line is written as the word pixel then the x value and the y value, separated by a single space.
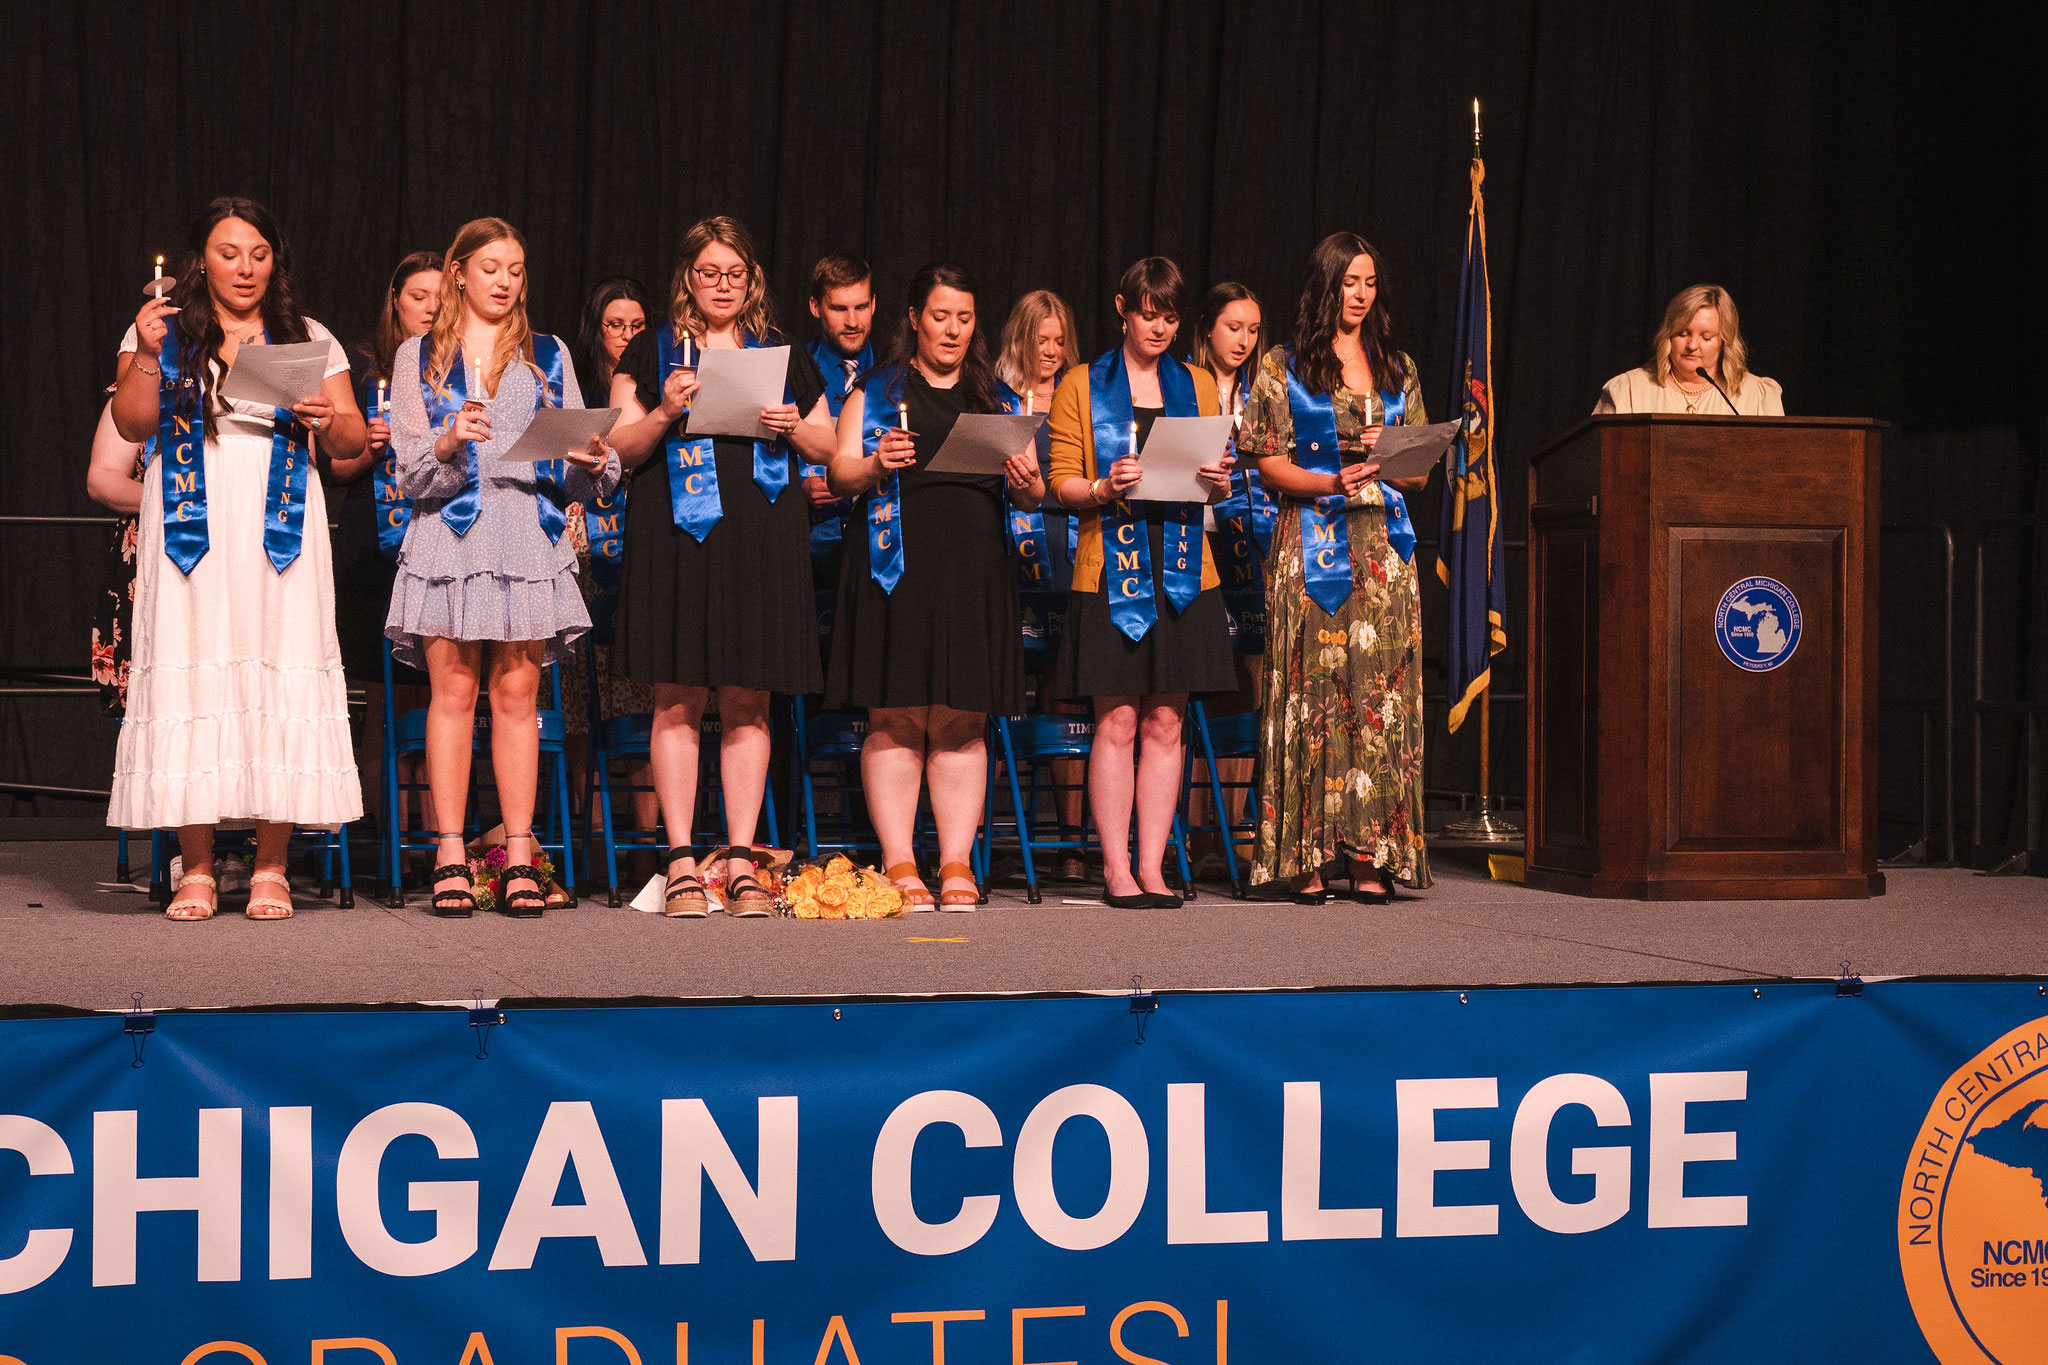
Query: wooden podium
pixel 1690 738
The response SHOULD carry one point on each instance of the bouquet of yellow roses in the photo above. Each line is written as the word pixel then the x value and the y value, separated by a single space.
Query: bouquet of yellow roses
pixel 835 888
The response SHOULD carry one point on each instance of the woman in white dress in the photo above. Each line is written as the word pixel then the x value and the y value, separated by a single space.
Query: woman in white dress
pixel 1701 331
pixel 237 709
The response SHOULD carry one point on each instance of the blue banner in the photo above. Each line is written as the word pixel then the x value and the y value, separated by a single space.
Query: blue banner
pixel 1663 1173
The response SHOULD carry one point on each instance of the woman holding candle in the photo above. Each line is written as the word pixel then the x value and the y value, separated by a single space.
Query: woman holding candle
pixel 1147 628
pixel 1227 328
pixel 927 631
pixel 717 593
pixel 237 708
pixel 1341 782
pixel 1039 345
pixel 485 596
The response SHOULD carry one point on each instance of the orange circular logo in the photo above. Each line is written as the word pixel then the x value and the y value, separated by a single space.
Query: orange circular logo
pixel 1973 1208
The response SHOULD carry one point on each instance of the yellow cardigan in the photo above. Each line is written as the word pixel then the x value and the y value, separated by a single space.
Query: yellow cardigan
pixel 1073 457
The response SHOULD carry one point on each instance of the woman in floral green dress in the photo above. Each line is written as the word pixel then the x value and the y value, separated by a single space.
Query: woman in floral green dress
pixel 1341 785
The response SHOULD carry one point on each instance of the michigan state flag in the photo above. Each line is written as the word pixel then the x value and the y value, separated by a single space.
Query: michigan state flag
pixel 1469 553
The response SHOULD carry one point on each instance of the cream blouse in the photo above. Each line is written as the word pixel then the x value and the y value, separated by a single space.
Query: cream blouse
pixel 1637 391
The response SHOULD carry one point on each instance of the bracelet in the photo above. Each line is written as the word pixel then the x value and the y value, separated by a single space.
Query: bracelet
pixel 1095 493
pixel 154 374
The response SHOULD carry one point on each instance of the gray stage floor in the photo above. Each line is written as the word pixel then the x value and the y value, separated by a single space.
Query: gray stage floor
pixel 70 943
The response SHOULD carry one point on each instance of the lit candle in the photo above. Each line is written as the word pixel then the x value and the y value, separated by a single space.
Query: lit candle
pixel 1134 440
pixel 903 417
pixel 382 400
pixel 689 351
pixel 157 280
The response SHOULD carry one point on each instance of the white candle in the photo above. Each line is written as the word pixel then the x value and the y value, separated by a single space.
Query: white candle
pixel 382 400
pixel 1134 440
pixel 903 417
pixel 158 279
pixel 689 351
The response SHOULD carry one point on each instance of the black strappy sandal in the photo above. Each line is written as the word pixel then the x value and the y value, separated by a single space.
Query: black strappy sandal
pixel 743 906
pixel 686 897
pixel 454 903
pixel 522 904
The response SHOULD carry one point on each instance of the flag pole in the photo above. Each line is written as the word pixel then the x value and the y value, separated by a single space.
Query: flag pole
pixel 1483 828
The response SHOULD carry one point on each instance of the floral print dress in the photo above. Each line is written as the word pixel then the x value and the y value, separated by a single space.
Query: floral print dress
pixel 1341 737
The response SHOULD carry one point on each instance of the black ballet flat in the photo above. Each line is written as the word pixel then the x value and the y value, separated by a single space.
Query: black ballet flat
pixel 1167 901
pixel 522 904
pixel 1142 901
pixel 454 903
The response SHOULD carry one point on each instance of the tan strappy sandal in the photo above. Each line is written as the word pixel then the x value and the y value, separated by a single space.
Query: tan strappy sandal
pixel 915 898
pixel 271 906
pixel 958 900
pixel 184 903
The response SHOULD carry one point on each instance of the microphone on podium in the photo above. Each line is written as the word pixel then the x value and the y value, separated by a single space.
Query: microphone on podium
pixel 1701 371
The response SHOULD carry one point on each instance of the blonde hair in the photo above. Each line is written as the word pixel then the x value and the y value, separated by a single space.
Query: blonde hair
pixel 515 338
pixel 1678 314
pixel 756 317
pixel 1017 362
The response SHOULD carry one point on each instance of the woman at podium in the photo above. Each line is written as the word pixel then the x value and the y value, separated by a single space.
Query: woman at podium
pixel 1700 332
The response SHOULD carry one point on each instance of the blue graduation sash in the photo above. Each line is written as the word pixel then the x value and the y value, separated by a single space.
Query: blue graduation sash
pixel 601 526
pixel 394 509
pixel 1129 579
pixel 693 495
pixel 881 391
pixel 1027 529
pixel 1245 519
pixel 1325 532
pixel 461 511
pixel 181 438
pixel 826 522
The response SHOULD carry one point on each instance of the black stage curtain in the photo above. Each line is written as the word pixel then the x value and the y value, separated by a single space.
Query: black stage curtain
pixel 1845 169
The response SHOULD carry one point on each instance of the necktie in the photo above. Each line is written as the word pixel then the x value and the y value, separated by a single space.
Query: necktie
pixel 852 367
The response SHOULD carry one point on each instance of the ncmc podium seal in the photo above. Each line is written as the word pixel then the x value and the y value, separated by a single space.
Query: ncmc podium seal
pixel 1973 1208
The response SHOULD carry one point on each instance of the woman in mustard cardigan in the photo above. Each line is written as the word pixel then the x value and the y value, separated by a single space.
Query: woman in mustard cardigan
pixel 1152 629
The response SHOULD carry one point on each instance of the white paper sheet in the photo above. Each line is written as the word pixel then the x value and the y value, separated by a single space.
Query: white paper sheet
pixel 1410 452
pixel 554 432
pixel 1175 449
pixel 982 442
pixel 278 376
pixel 733 387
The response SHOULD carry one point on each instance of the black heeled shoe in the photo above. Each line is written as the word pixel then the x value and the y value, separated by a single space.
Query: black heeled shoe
pixel 1383 896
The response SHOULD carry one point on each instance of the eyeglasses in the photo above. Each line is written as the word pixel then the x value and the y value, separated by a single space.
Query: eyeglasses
pixel 733 278
pixel 625 326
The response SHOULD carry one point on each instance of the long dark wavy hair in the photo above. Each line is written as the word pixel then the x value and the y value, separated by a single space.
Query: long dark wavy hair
pixel 383 348
pixel 977 370
pixel 200 335
pixel 591 359
pixel 1316 316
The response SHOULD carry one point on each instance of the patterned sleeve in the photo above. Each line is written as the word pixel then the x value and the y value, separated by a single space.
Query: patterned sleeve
pixel 1414 414
pixel 420 474
pixel 1268 428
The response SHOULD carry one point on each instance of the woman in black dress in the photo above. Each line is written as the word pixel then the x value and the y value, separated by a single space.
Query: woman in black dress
pixel 928 636
pixel 1149 628
pixel 717 591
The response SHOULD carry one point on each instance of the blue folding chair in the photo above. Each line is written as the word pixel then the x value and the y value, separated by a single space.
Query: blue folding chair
pixel 1228 737
pixel 831 738
pixel 1039 741
pixel 624 738
pixel 407 734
